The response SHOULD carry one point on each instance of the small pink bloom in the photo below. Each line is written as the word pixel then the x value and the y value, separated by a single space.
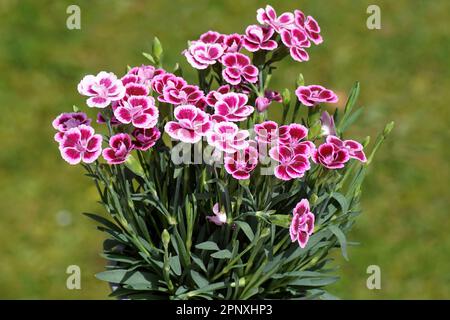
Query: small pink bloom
pixel 292 136
pixel 291 165
pixel 102 89
pixel 144 139
pixel 268 16
pixel 310 25
pixel 263 103
pixel 81 144
pixel 259 38
pixel 354 148
pixel 201 55
pixel 227 137
pixel 133 87
pixel 238 67
pixel 328 127
pixel 233 107
pixel 185 94
pixel 120 148
pixel 161 81
pixel 241 163
pixel 219 218
pixel 266 132
pixel 145 73
pixel 217 118
pixel 138 110
pixel 233 42
pixel 212 37
pixel 66 121
pixel 213 96
pixel 192 124
pixel 296 40
pixel 302 225
pixel 313 95
pixel 331 156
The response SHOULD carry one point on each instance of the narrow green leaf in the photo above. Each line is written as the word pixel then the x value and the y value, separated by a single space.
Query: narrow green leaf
pixel 245 227
pixel 341 238
pixel 207 245
pixel 222 254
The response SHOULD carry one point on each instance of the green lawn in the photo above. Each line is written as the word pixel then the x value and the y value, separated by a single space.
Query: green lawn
pixel 405 76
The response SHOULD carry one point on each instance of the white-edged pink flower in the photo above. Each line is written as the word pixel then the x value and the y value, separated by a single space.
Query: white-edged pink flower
pixel 212 37
pixel 213 96
pixel 233 107
pixel 331 156
pixel 266 132
pixel 315 94
pixel 144 139
pixel 302 224
pixel 161 81
pixel 268 16
pixel 80 144
pixel 145 73
pixel 238 68
pixel 293 136
pixel 354 148
pixel 192 124
pixel 201 55
pixel 233 42
pixel 66 121
pixel 219 218
pixel 291 165
pixel 310 25
pixel 101 89
pixel 134 86
pixel 119 149
pixel 227 137
pixel 184 94
pixel 296 40
pixel 138 110
pixel 263 103
pixel 259 38
pixel 241 163
pixel 327 121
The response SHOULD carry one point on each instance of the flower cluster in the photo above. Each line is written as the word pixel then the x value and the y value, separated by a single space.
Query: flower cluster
pixel 146 101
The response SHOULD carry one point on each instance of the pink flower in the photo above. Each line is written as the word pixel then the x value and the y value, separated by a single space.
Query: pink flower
pixel 328 127
pixel 227 137
pixel 145 73
pixel 144 139
pixel 310 25
pixel 291 165
pixel 219 218
pixel 302 224
pixel 315 94
pixel 102 89
pixel 292 136
pixel 134 86
pixel 138 110
pixel 201 55
pixel 233 42
pixel 213 96
pixel 259 38
pixel 177 94
pixel 296 40
pixel 66 121
pixel 120 148
pixel 80 144
pixel 266 132
pixel 241 163
pixel 232 106
pixel 331 156
pixel 158 83
pixel 354 148
pixel 263 103
pixel 192 124
pixel 238 68
pixel 212 37
pixel 268 16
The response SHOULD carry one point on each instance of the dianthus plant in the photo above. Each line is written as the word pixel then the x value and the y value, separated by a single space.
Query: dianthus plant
pixel 206 197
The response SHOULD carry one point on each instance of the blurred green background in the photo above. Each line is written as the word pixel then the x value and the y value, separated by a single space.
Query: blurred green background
pixel 405 76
